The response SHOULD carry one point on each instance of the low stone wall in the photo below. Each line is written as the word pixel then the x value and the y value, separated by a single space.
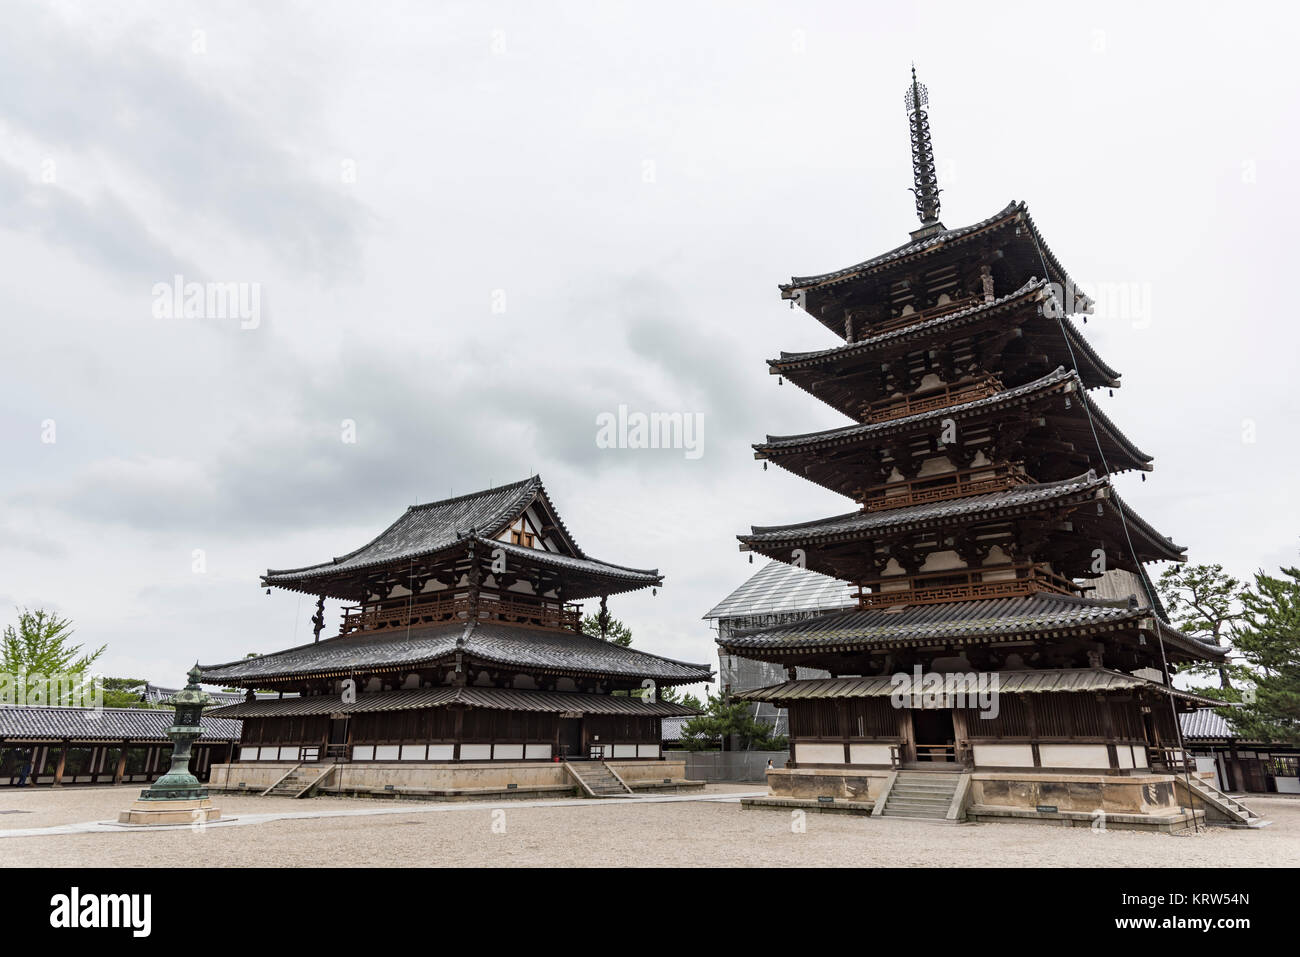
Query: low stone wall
pixel 445 779
pixel 812 783
pixel 1119 794
pixel 1145 801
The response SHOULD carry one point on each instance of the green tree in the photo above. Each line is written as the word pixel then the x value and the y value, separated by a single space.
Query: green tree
pixel 41 644
pixel 616 631
pixel 676 696
pixel 721 720
pixel 1203 601
pixel 1268 640
pixel 121 693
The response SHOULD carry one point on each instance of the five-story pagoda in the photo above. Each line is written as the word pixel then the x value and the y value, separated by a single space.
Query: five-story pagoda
pixel 987 542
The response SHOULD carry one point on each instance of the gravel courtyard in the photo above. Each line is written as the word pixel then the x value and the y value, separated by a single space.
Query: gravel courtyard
pixel 596 833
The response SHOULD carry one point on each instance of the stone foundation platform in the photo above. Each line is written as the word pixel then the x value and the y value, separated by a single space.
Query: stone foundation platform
pixel 1133 801
pixel 188 811
pixel 514 780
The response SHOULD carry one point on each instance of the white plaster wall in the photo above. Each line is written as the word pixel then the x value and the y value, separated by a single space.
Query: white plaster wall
pixel 814 753
pixel 942 561
pixel 1073 756
pixel 1004 756
pixel 935 466
pixel 866 754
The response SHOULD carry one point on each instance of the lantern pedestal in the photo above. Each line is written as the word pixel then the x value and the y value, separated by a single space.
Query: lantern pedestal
pixel 192 811
pixel 177 797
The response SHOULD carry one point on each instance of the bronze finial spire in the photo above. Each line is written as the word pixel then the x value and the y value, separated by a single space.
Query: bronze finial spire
pixel 923 172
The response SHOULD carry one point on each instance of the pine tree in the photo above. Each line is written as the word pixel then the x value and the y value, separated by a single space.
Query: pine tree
pixel 1268 639
pixel 1203 602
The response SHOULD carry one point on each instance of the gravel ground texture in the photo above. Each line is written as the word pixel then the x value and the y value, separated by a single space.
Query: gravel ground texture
pixel 607 833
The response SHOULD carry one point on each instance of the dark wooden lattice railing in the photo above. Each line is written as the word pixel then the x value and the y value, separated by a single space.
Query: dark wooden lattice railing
pixel 431 609
pixel 912 318
pixel 946 485
pixel 895 408
pixel 963 584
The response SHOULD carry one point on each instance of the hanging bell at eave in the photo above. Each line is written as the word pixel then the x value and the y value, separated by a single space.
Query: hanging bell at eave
pixel 780 380
pixel 1112 393
pixel 1144 476
pixel 765 465
pixel 1067 402
pixel 751 558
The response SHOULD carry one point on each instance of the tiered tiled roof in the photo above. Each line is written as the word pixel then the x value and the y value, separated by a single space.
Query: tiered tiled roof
pixel 107 724
pixel 1015 501
pixel 447 527
pixel 504 699
pixel 1049 681
pixel 910 252
pixel 494 642
pixel 1042 615
pixel 1122 453
pixel 1035 293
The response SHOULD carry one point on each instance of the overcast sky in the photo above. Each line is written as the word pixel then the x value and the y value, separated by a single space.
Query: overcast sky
pixel 477 227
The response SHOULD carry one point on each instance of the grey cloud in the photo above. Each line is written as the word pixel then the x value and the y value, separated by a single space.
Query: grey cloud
pixel 104 232
pixel 182 140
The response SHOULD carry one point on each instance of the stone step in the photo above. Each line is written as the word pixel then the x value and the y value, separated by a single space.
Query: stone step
pixel 917 802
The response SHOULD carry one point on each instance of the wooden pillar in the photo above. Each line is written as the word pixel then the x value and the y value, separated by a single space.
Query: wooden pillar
pixel 120 773
pixel 961 737
pixel 1032 715
pixel 63 761
pixel 1108 726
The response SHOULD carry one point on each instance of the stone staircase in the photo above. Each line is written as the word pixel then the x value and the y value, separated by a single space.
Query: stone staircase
pixel 1219 808
pixel 597 780
pixel 298 782
pixel 924 795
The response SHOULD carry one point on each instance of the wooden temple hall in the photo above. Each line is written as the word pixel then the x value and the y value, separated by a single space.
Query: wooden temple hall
pixel 461 665
pixel 985 540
